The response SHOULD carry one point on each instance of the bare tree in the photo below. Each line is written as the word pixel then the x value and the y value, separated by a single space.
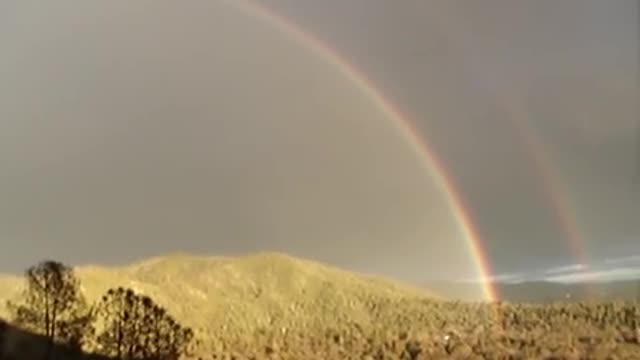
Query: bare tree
pixel 137 328
pixel 52 304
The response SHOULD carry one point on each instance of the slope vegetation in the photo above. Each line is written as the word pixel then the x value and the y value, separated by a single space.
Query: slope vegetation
pixel 236 296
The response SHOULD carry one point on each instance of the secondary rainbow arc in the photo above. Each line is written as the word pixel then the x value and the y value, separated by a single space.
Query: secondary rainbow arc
pixel 402 123
pixel 515 107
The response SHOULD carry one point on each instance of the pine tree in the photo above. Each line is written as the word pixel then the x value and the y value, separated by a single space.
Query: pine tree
pixel 52 305
pixel 137 328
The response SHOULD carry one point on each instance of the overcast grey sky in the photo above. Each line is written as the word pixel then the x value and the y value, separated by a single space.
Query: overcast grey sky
pixel 130 129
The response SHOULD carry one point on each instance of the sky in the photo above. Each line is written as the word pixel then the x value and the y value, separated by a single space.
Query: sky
pixel 134 129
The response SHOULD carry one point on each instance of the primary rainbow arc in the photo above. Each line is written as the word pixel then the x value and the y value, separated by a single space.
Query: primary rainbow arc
pixel 402 123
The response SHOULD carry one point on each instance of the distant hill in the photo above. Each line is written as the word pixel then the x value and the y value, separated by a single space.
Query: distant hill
pixel 239 295
pixel 544 292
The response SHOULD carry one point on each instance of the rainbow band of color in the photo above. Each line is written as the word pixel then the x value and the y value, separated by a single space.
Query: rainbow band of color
pixel 434 167
pixel 515 108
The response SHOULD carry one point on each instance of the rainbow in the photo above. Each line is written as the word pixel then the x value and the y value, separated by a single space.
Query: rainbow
pixel 401 122
pixel 517 114
pixel 564 216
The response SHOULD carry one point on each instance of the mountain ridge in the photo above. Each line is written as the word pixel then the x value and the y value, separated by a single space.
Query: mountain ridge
pixel 214 294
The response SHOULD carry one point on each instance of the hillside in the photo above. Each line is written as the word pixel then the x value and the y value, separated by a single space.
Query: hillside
pixel 236 296
pixel 270 306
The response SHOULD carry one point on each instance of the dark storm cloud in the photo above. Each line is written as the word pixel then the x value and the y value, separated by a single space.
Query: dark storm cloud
pixel 130 129
pixel 133 129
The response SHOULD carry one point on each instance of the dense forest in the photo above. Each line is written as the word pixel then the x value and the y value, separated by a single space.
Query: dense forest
pixel 124 324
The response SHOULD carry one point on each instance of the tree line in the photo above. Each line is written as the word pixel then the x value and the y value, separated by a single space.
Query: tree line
pixel 122 324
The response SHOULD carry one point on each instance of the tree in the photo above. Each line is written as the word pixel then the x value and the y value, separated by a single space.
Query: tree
pixel 79 327
pixel 164 337
pixel 52 305
pixel 137 328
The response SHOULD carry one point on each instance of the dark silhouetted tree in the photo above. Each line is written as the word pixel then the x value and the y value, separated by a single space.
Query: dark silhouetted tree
pixel 79 326
pixel 137 328
pixel 52 305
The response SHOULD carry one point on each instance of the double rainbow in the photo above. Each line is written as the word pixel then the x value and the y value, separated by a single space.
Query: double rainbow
pixel 517 115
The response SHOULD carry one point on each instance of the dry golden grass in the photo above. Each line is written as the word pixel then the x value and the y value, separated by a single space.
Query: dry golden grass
pixel 238 296
pixel 272 306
